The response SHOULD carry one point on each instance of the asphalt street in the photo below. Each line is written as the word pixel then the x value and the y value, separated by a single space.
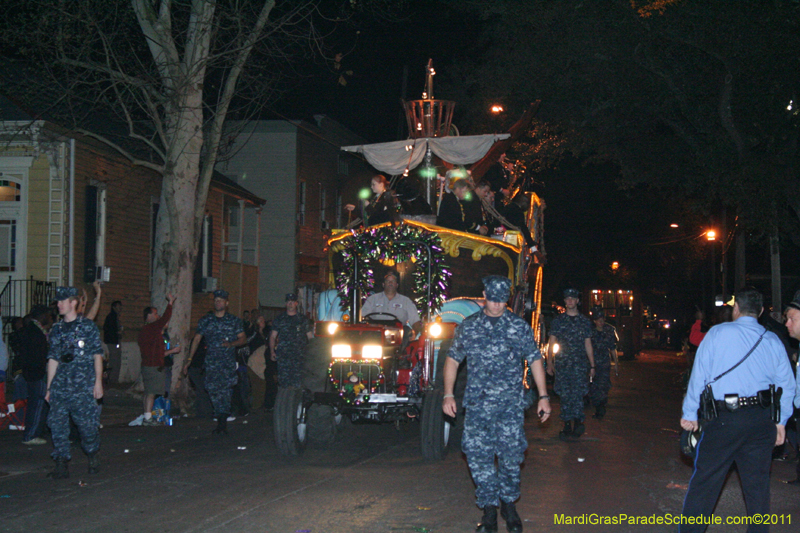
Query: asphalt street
pixel 372 479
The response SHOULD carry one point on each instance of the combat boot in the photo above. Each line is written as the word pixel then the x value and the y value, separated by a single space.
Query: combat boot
pixel 94 463
pixel 509 513
pixel 600 411
pixel 61 471
pixel 489 521
pixel 222 425
pixel 578 428
pixel 566 433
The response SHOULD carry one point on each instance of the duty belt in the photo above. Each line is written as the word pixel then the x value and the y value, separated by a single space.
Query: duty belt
pixel 734 402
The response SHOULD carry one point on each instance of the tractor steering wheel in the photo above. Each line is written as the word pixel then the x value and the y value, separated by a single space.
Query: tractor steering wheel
pixel 373 316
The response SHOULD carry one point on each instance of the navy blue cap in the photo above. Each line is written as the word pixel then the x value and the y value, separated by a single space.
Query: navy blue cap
pixel 291 297
pixel 497 288
pixel 597 312
pixel 62 293
pixel 219 293
pixel 572 292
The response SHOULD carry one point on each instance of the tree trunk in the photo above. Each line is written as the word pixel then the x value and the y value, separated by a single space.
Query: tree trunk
pixel 176 239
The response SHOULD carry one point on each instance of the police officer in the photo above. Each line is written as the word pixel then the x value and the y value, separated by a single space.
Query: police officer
pixel 572 332
pixel 604 348
pixel 290 333
pixel 74 382
pixel 495 343
pixel 223 333
pixel 743 432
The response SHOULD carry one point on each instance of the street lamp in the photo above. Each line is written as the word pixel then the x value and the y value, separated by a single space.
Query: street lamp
pixel 711 236
pixel 497 109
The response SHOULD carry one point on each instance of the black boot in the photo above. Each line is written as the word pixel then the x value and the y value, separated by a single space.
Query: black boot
pixel 566 433
pixel 222 425
pixel 578 428
pixel 600 411
pixel 489 521
pixel 509 513
pixel 94 463
pixel 61 471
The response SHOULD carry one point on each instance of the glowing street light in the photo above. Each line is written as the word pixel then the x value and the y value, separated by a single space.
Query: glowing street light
pixel 615 266
pixel 711 235
pixel 497 108
pixel 673 225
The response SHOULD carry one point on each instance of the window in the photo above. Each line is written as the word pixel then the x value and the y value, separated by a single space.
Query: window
pixel 344 165
pixel 205 255
pixel 323 211
pixel 9 191
pixel 233 216
pixel 301 204
pixel 8 245
pixel 95 232
pixel 338 210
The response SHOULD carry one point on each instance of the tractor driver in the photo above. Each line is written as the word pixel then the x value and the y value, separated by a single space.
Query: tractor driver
pixel 390 302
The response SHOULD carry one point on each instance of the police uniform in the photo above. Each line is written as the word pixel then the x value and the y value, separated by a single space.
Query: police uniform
pixel 74 346
pixel 220 361
pixel 292 333
pixel 571 363
pixel 745 435
pixel 602 343
pixel 495 349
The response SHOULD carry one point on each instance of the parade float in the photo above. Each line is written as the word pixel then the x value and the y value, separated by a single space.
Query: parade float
pixel 358 368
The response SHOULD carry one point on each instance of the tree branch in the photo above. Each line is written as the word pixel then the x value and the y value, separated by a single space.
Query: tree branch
pixel 134 160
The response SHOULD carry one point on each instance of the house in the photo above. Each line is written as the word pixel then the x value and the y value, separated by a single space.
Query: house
pixel 73 210
pixel 306 179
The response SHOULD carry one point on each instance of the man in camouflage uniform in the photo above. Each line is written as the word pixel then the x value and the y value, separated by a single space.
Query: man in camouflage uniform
pixel 495 343
pixel 290 333
pixel 74 382
pixel 604 346
pixel 572 332
pixel 223 333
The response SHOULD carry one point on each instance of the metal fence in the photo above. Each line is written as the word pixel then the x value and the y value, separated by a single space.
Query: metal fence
pixel 19 295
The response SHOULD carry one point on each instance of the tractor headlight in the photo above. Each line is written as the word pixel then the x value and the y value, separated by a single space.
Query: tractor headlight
pixel 341 351
pixel 371 351
pixel 332 327
pixel 435 329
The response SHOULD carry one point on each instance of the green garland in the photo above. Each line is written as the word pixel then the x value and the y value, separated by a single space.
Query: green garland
pixel 376 245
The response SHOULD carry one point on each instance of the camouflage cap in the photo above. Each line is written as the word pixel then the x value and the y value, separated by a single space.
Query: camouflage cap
pixel 291 297
pixel 597 312
pixel 63 293
pixel 572 292
pixel 795 303
pixel 219 293
pixel 497 288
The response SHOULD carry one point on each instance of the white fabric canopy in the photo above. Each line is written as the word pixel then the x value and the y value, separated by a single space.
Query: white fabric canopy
pixel 394 157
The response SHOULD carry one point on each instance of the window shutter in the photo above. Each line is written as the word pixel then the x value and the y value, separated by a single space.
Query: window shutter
pixel 90 236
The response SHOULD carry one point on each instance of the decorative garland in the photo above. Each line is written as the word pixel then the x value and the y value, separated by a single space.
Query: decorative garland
pixel 382 244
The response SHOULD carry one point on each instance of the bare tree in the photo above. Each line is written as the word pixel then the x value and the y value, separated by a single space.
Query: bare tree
pixel 170 72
